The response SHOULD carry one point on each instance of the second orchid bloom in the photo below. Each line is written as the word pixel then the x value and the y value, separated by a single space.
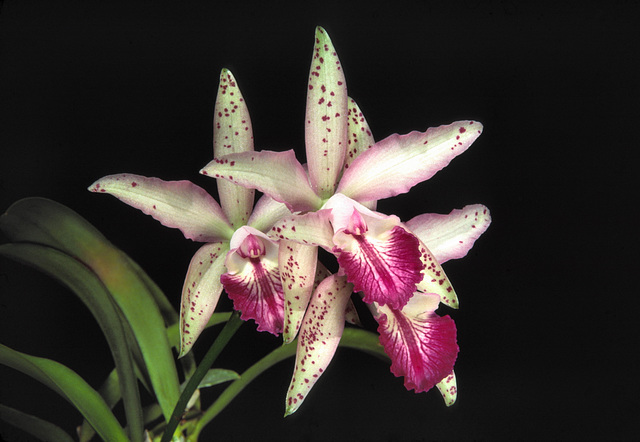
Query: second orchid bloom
pixel 266 257
pixel 380 257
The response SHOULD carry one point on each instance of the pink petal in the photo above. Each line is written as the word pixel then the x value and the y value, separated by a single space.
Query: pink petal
pixel 232 133
pixel 277 174
pixel 397 163
pixel 177 204
pixel 448 388
pixel 451 236
pixel 435 280
pixel 319 337
pixel 380 258
pixel 253 279
pixel 326 117
pixel 359 134
pixel 200 292
pixel 297 264
pixel 422 345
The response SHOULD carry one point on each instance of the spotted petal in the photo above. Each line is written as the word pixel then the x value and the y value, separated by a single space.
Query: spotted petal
pixel 201 292
pixel 297 263
pixel 448 388
pixel 232 133
pixel 312 228
pixel 277 174
pixel 326 117
pixel 422 345
pixel 360 137
pixel 451 236
pixel 177 204
pixel 253 279
pixel 397 163
pixel 319 337
pixel 435 279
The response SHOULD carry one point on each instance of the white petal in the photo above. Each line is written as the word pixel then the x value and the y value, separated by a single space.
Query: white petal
pixel 451 236
pixel 177 204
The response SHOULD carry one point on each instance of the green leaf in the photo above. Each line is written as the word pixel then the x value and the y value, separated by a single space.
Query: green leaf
pixel 86 285
pixel 70 386
pixel 33 425
pixel 217 376
pixel 110 392
pixel 45 222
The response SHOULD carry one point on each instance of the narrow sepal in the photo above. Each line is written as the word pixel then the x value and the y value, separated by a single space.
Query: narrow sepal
pixel 253 281
pixel 277 174
pixel 232 133
pixel 297 264
pixel 201 292
pixel 448 388
pixel 435 280
pixel 422 345
pixel 176 204
pixel 397 163
pixel 451 236
pixel 326 117
pixel 359 134
pixel 319 337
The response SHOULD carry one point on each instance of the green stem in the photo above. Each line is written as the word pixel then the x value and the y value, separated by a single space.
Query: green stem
pixel 221 341
pixel 277 355
pixel 357 339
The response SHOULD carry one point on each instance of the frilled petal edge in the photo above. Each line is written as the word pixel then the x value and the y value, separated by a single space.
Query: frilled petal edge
pixel 422 345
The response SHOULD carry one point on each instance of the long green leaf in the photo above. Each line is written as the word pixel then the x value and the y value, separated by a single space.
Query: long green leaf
pixel 43 430
pixel 86 285
pixel 42 221
pixel 70 386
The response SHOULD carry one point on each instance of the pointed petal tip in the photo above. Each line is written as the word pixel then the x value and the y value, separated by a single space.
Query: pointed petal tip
pixel 183 352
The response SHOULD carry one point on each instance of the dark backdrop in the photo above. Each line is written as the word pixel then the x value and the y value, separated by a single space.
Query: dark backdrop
pixel 547 325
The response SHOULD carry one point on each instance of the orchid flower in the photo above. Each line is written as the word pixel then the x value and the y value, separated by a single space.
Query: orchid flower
pixel 333 201
pixel 237 254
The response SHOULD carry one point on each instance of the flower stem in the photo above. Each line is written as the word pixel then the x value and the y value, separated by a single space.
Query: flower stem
pixel 357 339
pixel 277 355
pixel 221 341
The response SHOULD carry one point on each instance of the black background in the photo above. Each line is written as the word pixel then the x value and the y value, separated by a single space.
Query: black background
pixel 547 325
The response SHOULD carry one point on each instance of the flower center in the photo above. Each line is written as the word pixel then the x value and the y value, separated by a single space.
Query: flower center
pixel 357 226
pixel 251 247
